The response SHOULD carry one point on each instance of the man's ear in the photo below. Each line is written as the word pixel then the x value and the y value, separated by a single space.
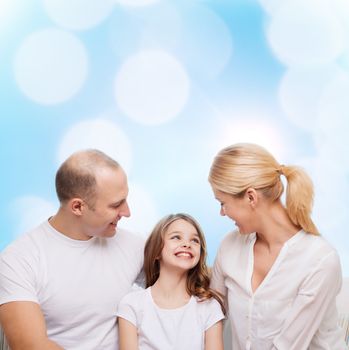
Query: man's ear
pixel 252 197
pixel 77 206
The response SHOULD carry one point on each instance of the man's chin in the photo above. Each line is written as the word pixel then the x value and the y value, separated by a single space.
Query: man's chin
pixel 110 232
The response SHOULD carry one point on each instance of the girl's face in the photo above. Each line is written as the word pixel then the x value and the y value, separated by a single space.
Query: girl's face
pixel 181 246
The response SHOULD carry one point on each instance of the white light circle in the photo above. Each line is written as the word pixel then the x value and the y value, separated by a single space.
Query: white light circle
pixel 207 45
pixel 136 3
pixel 144 214
pixel 101 134
pixel 8 9
pixel 51 66
pixel 30 211
pixel 333 121
pixel 329 210
pixel 152 87
pixel 271 6
pixel 78 14
pixel 149 28
pixel 300 91
pixel 306 32
pixel 334 107
pixel 249 130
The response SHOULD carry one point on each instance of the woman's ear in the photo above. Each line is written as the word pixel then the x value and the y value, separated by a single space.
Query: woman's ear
pixel 252 197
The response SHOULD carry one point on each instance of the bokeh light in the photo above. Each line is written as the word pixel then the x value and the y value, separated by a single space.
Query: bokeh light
pixel 78 14
pixel 51 66
pixel 101 134
pixel 152 87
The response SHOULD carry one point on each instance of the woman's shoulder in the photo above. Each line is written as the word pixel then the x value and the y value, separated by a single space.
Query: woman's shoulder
pixel 316 244
pixel 316 251
pixel 235 238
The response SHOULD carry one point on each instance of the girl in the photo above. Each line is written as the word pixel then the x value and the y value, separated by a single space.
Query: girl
pixel 178 310
pixel 279 276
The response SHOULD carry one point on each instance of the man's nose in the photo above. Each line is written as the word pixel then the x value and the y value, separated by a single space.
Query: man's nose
pixel 125 210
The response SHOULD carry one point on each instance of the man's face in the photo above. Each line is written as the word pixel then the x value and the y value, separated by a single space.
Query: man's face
pixel 110 204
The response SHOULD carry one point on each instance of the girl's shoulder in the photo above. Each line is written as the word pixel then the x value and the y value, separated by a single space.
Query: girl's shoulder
pixel 136 295
pixel 209 311
pixel 207 304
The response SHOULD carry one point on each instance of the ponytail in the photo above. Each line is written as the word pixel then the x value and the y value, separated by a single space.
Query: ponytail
pixel 299 197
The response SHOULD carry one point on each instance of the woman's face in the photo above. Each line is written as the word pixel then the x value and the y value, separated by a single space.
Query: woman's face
pixel 239 210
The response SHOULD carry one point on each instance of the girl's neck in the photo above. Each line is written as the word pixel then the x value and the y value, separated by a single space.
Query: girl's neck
pixel 169 291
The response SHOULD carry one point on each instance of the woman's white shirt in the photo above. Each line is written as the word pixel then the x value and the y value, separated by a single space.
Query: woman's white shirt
pixel 294 308
pixel 169 329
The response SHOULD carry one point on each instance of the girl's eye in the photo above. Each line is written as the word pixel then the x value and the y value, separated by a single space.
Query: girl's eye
pixel 196 240
pixel 175 237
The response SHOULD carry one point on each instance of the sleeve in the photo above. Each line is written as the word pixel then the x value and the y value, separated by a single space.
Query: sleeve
pixel 135 253
pixel 213 313
pixel 128 309
pixel 218 277
pixel 316 293
pixel 18 276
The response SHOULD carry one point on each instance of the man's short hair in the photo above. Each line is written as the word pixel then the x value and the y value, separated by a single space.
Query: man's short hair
pixel 76 177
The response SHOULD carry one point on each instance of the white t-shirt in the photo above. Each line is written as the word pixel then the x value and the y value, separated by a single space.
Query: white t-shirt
pixel 169 329
pixel 294 308
pixel 78 284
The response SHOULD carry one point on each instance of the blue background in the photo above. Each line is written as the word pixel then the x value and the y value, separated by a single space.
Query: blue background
pixel 77 74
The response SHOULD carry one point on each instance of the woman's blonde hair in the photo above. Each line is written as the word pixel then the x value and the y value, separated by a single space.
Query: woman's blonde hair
pixel 242 166
pixel 198 279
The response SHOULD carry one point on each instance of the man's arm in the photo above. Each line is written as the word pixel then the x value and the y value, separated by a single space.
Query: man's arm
pixel 24 326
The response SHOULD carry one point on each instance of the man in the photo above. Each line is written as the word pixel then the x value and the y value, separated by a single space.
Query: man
pixel 60 284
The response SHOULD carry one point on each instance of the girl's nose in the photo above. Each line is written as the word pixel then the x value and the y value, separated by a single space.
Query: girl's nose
pixel 185 244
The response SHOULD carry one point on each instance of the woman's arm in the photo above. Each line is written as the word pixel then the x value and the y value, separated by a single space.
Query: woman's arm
pixel 315 295
pixel 214 337
pixel 128 338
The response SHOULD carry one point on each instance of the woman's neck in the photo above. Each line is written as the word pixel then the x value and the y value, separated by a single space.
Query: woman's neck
pixel 170 291
pixel 276 227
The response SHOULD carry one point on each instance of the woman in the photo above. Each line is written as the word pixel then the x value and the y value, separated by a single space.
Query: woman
pixel 279 276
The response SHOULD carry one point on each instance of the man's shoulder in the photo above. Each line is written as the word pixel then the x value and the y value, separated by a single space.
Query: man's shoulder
pixel 127 236
pixel 28 242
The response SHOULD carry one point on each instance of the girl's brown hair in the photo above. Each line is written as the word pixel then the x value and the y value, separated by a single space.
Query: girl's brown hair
pixel 198 279
pixel 241 166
